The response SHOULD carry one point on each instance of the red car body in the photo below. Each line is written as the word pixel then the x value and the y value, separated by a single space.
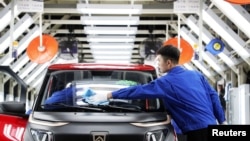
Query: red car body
pixel 12 127
pixel 13 124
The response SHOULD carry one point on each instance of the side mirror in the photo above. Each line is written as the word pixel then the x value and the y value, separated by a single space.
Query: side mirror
pixel 12 107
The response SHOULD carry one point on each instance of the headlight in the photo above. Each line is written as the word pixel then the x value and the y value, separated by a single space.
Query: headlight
pixel 41 135
pixel 159 135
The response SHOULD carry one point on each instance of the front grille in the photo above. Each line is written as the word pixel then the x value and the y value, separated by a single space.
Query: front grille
pixel 125 138
pixel 66 137
pixel 90 137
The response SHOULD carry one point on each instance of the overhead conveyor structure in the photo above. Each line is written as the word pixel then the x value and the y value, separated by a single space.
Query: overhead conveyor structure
pixel 225 32
pixel 220 19
pixel 207 71
pixel 7 60
pixel 207 37
pixel 20 27
pixel 204 68
pixel 36 77
pixel 236 13
pixel 5 15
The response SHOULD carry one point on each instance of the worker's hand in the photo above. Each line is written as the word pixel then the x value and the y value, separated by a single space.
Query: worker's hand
pixel 97 99
pixel 109 95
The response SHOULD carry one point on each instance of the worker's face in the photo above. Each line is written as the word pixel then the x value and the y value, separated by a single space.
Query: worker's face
pixel 164 65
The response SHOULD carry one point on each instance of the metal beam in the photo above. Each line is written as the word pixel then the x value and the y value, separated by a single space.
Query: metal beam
pixel 77 31
pixel 7 59
pixel 207 37
pixel 199 65
pixel 19 28
pixel 222 29
pixel 157 9
pixel 236 13
pixel 141 22
pixel 206 57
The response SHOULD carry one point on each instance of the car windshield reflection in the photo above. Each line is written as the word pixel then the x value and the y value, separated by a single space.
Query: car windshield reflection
pixel 72 90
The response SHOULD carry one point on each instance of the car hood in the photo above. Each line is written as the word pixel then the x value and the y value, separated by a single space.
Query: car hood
pixel 99 117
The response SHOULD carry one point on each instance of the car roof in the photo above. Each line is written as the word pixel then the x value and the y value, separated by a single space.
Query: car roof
pixel 101 66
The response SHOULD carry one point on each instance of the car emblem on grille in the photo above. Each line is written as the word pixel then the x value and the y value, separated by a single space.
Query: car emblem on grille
pixel 99 136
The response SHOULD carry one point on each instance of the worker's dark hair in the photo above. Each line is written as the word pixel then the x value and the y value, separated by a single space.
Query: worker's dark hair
pixel 169 52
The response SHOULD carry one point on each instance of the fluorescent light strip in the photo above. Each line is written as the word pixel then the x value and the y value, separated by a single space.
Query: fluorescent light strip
pixel 5 15
pixel 113 61
pixel 109 20
pixel 99 38
pixel 110 30
pixel 109 8
pixel 113 57
pixel 19 28
pixel 111 52
pixel 110 46
pixel 225 32
pixel 236 13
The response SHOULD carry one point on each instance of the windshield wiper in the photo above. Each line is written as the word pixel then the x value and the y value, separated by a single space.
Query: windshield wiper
pixel 128 108
pixel 54 106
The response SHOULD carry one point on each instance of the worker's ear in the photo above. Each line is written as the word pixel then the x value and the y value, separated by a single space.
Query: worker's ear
pixel 168 61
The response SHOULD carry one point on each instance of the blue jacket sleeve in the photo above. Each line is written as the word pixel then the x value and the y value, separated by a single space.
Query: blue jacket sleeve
pixel 217 108
pixel 150 90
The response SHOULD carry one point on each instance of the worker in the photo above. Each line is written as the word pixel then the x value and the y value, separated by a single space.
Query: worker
pixel 188 96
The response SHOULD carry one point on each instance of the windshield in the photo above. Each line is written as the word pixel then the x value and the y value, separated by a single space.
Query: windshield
pixel 65 91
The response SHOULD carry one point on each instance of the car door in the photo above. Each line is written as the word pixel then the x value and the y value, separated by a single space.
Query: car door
pixel 13 117
pixel 12 127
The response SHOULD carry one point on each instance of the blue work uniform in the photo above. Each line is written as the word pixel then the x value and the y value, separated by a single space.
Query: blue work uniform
pixel 188 97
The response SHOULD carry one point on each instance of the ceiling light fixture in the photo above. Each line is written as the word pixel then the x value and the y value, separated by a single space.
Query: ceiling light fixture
pixel 109 20
pixel 110 30
pixel 113 61
pixel 99 38
pixel 111 53
pixel 109 8
pixel 111 58
pixel 111 46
